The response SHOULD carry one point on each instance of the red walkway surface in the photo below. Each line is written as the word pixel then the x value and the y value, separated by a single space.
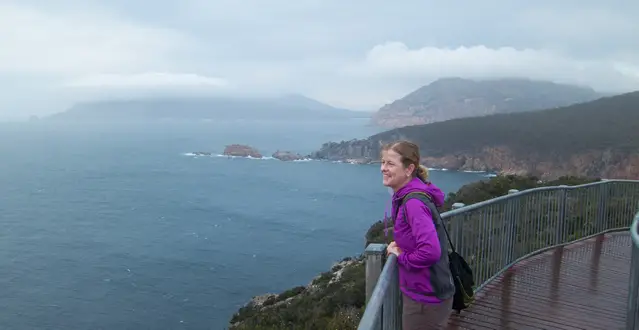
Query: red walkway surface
pixel 580 286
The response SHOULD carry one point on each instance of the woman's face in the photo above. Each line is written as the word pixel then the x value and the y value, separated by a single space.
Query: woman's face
pixel 394 174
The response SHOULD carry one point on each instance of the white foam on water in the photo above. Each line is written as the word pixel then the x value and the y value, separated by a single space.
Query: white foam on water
pixel 192 154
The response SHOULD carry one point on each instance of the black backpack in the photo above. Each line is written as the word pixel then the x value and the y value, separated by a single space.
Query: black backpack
pixel 459 269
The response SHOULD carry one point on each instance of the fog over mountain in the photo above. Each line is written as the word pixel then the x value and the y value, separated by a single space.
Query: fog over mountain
pixel 288 107
pixel 353 55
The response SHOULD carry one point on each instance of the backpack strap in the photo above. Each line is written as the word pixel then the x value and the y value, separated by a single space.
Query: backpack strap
pixel 428 201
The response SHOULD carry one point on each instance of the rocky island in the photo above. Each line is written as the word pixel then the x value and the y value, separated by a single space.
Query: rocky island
pixel 287 156
pixel 241 150
pixel 597 139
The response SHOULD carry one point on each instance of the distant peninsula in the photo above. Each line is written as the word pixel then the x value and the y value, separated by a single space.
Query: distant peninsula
pixel 289 107
pixel 596 139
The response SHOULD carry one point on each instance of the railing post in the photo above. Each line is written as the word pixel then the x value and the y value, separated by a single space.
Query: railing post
pixel 458 237
pixel 374 262
pixel 510 232
pixel 561 215
pixel 600 223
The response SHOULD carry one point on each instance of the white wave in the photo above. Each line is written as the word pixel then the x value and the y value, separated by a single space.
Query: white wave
pixel 247 157
pixel 192 154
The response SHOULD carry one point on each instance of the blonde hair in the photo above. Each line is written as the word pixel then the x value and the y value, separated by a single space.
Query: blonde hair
pixel 409 153
pixel 422 172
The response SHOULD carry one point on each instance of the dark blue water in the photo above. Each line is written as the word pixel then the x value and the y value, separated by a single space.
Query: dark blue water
pixel 115 228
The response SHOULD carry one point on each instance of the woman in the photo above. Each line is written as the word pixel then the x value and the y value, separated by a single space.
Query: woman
pixel 422 250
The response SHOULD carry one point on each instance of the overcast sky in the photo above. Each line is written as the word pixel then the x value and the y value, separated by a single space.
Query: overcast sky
pixel 357 54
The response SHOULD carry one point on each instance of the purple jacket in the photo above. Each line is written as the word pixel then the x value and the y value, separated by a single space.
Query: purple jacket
pixel 424 275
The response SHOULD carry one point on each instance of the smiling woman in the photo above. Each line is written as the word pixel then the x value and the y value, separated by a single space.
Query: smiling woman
pixel 424 276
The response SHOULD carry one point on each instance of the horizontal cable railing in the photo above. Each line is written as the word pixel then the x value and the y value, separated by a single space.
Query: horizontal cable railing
pixel 493 235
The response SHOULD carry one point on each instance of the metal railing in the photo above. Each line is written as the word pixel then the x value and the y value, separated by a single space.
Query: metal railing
pixel 495 234
pixel 632 319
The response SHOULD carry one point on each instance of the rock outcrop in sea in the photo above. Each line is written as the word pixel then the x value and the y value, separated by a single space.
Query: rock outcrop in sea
pixel 287 156
pixel 241 150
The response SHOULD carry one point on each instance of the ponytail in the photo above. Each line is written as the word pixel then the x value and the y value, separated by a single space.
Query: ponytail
pixel 422 173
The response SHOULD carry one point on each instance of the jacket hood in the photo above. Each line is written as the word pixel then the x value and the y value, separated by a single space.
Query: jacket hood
pixel 417 185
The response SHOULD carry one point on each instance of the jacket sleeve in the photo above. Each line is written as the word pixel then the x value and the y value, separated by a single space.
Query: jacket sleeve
pixel 427 250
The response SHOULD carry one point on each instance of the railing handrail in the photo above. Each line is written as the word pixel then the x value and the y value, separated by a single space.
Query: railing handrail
pixel 375 306
pixel 495 200
pixel 377 296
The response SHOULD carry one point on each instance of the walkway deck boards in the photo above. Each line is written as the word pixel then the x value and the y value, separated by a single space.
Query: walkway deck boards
pixel 580 286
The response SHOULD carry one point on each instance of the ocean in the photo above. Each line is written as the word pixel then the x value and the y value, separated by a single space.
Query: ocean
pixel 119 227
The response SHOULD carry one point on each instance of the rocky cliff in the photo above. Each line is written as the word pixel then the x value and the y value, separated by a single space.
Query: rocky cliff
pixel 608 163
pixel 451 98
pixel 598 139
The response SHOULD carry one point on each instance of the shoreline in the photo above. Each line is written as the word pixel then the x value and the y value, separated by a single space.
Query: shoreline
pixel 488 174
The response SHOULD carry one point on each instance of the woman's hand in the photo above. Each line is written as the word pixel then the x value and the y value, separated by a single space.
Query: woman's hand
pixel 393 249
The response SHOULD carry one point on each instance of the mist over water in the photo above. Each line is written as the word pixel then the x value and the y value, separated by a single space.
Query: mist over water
pixel 117 227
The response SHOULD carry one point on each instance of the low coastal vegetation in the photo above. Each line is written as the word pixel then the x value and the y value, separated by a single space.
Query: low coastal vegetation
pixel 335 299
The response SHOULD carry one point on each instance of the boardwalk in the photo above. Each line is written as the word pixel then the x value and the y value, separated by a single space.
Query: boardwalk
pixel 582 286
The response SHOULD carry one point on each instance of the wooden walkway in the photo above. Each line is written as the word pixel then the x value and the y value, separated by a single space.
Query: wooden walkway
pixel 580 286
